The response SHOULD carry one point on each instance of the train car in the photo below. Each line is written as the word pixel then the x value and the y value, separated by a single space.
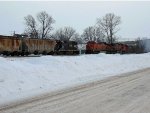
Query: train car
pixel 49 46
pixel 66 48
pixel 39 46
pixel 9 45
pixel 100 47
pixel 121 48
pixel 110 49
pixel 30 46
pixel 125 48
pixel 90 47
pixel 94 48
pixel 118 47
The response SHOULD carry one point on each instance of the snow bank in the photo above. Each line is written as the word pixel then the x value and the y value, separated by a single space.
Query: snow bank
pixel 24 77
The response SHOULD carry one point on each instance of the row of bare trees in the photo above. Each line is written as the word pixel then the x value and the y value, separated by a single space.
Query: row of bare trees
pixel 40 28
pixel 104 30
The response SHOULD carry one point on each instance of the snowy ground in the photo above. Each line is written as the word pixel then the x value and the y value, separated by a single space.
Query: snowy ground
pixel 21 77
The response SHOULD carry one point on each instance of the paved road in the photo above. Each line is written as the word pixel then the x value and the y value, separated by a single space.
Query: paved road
pixel 128 93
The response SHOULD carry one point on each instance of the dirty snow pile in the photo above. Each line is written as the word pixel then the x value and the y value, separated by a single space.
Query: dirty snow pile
pixel 22 78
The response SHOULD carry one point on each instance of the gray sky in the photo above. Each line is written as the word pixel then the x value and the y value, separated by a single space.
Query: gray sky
pixel 135 16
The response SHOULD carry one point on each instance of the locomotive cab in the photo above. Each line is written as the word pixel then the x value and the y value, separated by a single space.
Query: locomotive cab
pixel 66 48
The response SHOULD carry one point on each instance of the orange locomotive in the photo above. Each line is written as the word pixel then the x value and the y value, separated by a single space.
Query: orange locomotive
pixel 121 48
pixel 93 48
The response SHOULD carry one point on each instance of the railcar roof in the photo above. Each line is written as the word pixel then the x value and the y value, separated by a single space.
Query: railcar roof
pixel 3 36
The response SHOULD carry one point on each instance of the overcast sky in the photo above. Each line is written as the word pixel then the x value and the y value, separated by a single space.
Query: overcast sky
pixel 135 16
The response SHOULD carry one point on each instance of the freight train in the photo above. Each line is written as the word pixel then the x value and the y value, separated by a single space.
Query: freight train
pixel 20 45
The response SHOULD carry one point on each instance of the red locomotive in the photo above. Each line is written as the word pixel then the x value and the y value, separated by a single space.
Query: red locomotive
pixel 93 47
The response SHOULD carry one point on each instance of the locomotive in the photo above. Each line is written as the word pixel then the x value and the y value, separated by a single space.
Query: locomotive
pixel 93 47
pixel 66 48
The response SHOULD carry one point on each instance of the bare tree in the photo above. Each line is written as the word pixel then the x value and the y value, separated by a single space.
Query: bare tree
pixel 93 33
pixel 31 26
pixel 76 37
pixel 41 30
pixel 89 34
pixel 100 37
pixel 109 25
pixel 65 34
pixel 46 22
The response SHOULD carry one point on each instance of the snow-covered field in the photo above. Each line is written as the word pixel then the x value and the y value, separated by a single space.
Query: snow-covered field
pixel 21 78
